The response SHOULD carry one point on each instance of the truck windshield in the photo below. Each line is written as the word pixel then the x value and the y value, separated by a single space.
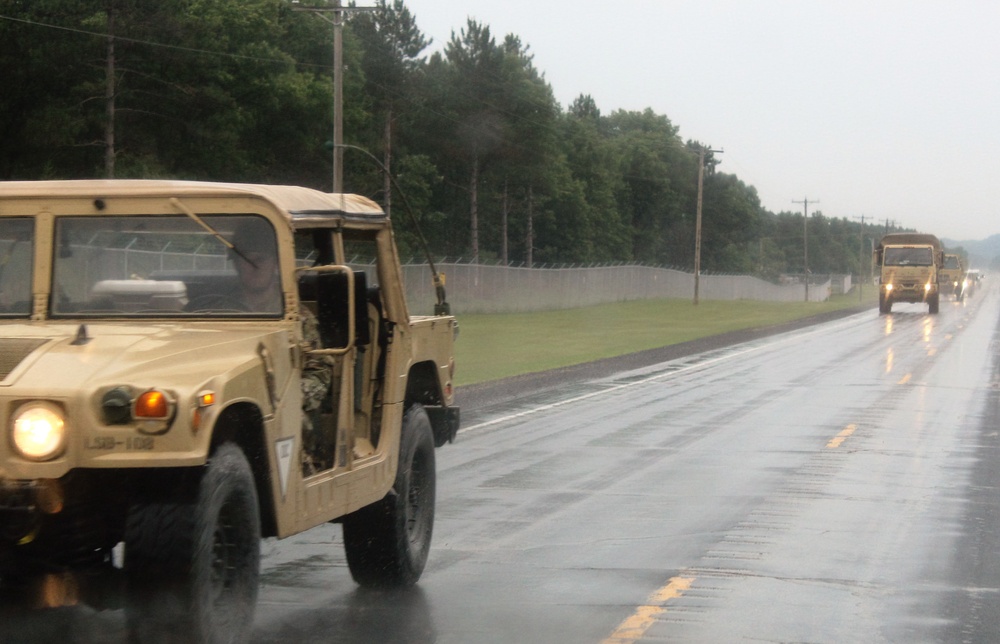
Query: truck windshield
pixel 165 266
pixel 951 262
pixel 908 257
pixel 16 250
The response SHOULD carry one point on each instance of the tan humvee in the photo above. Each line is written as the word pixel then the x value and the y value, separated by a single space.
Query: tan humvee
pixel 152 394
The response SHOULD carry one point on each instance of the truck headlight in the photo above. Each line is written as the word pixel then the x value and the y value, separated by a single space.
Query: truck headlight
pixel 39 431
pixel 888 287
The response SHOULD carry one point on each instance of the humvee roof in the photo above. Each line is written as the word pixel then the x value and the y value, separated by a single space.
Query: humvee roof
pixel 306 206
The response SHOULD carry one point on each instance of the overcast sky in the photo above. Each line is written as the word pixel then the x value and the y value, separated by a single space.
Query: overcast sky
pixel 887 109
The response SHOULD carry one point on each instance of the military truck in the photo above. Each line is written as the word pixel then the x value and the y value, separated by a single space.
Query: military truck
pixel 158 424
pixel 908 265
pixel 951 277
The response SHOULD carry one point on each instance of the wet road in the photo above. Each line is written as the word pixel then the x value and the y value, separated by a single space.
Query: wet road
pixel 828 485
pixel 832 484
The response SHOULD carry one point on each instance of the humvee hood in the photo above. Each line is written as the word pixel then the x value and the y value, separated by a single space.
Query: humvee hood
pixel 102 353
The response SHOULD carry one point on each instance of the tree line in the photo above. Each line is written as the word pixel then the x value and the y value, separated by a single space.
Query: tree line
pixel 492 167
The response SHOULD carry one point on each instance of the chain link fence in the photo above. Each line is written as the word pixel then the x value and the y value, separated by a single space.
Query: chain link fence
pixel 478 288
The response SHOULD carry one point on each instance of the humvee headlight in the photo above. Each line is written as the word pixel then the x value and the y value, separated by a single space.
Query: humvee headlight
pixel 38 431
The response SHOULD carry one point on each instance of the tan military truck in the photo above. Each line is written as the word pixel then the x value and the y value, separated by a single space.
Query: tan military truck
pixel 908 265
pixel 153 364
pixel 951 277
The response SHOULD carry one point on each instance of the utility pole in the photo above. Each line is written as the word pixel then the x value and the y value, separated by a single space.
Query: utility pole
pixel 338 79
pixel 805 239
pixel 697 220
pixel 861 256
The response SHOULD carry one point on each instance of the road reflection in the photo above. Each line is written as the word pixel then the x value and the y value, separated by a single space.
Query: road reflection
pixel 384 616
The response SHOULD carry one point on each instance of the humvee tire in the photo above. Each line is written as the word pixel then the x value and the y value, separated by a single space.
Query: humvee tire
pixel 387 542
pixel 192 562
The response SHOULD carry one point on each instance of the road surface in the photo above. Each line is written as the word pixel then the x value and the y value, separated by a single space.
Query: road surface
pixel 835 483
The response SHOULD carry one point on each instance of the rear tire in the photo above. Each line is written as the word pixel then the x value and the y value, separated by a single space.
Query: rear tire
pixel 387 542
pixel 192 560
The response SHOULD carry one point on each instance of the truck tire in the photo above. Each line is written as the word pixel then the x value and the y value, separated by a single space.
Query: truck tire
pixel 388 541
pixel 934 303
pixel 192 561
pixel 884 304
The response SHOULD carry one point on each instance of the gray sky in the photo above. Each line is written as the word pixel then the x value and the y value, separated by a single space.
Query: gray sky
pixel 884 108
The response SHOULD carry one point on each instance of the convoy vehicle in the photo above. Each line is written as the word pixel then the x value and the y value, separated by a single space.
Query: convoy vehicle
pixel 973 277
pixel 951 277
pixel 908 265
pixel 156 422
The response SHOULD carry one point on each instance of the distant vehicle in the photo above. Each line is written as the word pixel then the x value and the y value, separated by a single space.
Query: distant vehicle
pixel 952 275
pixel 908 266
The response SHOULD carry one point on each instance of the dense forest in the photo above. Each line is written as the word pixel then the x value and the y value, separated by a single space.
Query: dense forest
pixel 492 166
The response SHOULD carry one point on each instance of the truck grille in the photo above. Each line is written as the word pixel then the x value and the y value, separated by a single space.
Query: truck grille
pixel 14 350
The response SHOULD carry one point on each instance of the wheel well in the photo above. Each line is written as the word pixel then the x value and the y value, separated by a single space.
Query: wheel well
pixel 243 424
pixel 422 385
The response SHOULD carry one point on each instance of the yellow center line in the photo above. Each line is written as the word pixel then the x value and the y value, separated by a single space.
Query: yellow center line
pixel 636 625
pixel 905 379
pixel 841 437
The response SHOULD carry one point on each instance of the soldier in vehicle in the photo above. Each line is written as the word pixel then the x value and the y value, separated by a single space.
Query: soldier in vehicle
pixel 255 258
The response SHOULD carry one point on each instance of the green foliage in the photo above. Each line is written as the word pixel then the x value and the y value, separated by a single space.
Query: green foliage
pixel 241 90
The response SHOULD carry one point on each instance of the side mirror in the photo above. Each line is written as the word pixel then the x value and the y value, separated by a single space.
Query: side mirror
pixel 341 307
pixel 334 303
pixel 331 288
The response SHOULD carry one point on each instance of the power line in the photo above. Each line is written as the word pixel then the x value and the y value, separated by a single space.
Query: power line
pixel 149 43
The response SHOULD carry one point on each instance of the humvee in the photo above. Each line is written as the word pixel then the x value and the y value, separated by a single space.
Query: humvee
pixel 155 422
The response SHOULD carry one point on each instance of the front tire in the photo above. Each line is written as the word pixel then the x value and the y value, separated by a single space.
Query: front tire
pixel 934 304
pixel 192 559
pixel 387 542
pixel 884 304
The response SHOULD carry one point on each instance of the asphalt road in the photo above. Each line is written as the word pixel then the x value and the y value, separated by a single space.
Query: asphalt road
pixel 832 483
pixel 829 484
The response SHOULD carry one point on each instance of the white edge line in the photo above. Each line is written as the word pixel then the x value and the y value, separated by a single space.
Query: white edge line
pixel 535 410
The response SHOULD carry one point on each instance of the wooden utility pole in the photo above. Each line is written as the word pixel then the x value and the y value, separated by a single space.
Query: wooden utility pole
pixel 861 256
pixel 109 99
pixel 805 239
pixel 338 78
pixel 697 220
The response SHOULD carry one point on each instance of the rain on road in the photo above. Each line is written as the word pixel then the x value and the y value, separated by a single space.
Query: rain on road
pixel 827 485
pixel 830 484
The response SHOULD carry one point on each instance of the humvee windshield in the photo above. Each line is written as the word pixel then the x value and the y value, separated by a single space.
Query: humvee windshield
pixel 156 266
pixel 908 257
pixel 16 251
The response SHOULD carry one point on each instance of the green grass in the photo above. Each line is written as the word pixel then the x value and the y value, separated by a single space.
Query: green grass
pixel 493 346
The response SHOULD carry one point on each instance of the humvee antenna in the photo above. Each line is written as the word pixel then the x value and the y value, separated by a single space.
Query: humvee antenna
pixel 442 307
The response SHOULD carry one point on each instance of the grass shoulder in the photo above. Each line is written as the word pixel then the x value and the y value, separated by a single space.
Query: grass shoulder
pixel 495 346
